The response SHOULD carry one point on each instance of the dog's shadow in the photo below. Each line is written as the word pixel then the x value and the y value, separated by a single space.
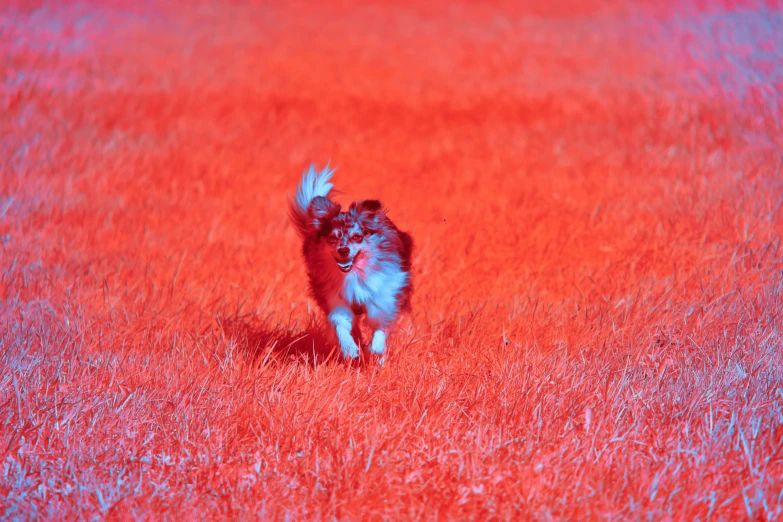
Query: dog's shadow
pixel 267 343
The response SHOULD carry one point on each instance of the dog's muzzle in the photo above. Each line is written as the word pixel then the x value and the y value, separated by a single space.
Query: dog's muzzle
pixel 345 266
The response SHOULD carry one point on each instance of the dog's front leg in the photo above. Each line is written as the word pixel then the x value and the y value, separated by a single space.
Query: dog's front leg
pixel 342 320
pixel 378 345
pixel 380 329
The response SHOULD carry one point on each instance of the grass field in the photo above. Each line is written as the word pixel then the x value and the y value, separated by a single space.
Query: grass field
pixel 595 193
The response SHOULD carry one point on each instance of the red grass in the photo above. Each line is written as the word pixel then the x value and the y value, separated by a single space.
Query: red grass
pixel 596 200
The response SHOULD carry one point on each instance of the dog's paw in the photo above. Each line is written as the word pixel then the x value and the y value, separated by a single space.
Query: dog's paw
pixel 378 344
pixel 349 349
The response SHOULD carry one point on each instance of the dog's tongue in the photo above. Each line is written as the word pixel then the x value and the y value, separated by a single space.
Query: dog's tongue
pixel 345 266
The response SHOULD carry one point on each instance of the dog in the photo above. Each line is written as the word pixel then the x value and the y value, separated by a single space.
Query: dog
pixel 358 263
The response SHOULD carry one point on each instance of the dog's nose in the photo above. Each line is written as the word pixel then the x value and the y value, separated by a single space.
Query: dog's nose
pixel 343 251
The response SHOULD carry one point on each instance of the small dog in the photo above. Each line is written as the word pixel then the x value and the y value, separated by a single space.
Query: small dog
pixel 358 262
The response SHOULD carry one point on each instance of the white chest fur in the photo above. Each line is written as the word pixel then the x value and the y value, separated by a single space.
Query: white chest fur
pixel 378 289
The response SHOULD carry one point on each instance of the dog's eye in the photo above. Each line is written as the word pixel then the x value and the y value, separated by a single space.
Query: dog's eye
pixel 356 238
pixel 332 240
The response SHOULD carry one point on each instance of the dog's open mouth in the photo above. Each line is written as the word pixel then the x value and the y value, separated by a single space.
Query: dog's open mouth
pixel 345 266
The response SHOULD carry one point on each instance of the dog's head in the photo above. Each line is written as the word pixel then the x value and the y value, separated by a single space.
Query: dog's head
pixel 345 234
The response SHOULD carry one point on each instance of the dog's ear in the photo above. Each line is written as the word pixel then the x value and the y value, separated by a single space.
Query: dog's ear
pixel 370 213
pixel 370 206
pixel 322 210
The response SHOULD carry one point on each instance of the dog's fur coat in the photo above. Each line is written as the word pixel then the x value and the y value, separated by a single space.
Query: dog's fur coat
pixel 358 262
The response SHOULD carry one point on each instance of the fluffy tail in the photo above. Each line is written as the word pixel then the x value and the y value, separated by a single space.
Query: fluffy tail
pixel 313 184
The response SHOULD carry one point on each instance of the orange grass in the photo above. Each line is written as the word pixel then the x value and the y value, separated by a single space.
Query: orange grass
pixel 595 193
